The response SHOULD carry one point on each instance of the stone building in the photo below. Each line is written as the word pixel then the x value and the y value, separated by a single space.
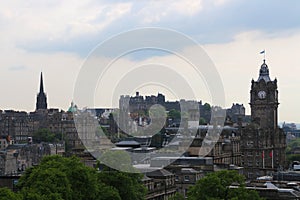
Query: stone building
pixel 18 157
pixel 14 124
pixel 236 113
pixel 160 184
pixel 262 142
pixel 177 176
pixel 185 178
pixel 140 105
pixel 226 150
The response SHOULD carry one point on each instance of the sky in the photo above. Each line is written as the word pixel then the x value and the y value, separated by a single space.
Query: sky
pixel 57 38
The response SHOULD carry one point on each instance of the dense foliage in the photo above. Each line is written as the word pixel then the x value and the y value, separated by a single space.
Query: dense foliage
pixel 174 114
pixel 177 196
pixel 6 194
pixel 216 186
pixel 45 135
pixel 62 178
pixel 290 148
pixel 292 144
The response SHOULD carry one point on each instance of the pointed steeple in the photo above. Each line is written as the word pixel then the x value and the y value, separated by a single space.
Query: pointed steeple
pixel 41 99
pixel 41 84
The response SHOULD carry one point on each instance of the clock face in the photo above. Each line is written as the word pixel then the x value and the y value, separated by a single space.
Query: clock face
pixel 261 94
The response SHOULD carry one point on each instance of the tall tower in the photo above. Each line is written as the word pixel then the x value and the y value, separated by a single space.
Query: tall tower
pixel 264 99
pixel 41 99
pixel 262 143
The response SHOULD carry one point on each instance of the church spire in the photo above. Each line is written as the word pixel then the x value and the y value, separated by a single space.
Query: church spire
pixel 41 99
pixel 41 84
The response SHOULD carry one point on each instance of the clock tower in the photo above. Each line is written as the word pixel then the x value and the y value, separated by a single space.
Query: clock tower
pixel 264 100
pixel 262 142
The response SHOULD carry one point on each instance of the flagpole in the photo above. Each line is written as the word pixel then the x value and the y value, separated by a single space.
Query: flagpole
pixel 263 155
pixel 272 160
pixel 263 52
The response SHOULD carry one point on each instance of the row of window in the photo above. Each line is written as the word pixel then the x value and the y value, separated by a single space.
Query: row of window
pixel 185 178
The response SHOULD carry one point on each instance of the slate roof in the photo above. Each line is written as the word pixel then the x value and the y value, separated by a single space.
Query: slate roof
pixel 159 173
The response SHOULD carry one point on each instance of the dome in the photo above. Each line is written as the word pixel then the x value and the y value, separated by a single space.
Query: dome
pixel 264 73
pixel 72 108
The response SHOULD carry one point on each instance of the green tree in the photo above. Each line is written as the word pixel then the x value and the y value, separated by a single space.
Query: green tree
pixel 293 157
pixel 6 194
pixel 157 111
pixel 290 147
pixel 128 185
pixel 45 135
pixel 292 144
pixel 59 178
pixel 174 114
pixel 216 186
pixel 47 184
pixel 207 107
pixel 202 121
pixel 177 196
pixel 107 192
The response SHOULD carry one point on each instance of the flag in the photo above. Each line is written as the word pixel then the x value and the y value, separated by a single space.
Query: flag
pixel 271 154
pixel 262 52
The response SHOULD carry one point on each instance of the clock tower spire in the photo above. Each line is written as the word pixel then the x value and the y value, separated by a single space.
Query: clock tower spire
pixel 264 99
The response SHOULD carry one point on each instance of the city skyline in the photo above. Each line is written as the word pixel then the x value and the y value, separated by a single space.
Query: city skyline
pixel 56 38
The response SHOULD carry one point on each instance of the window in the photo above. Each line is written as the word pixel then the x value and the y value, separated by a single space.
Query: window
pixel 249 163
pixel 257 163
pixel 250 175
pixel 250 144
pixel 186 178
pixel 176 178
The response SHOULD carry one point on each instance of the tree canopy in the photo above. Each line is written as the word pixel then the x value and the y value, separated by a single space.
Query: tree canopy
pixel 45 135
pixel 177 196
pixel 293 144
pixel 216 186
pixel 202 121
pixel 6 194
pixel 174 114
pixel 129 186
pixel 290 147
pixel 62 178
pixel 207 106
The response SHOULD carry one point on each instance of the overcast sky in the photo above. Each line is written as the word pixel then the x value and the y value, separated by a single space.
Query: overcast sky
pixel 57 36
